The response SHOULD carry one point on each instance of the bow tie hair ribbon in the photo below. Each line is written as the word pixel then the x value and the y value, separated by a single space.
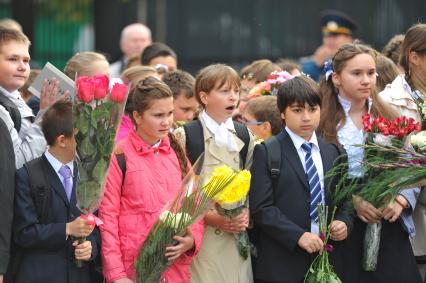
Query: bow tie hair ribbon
pixel 328 69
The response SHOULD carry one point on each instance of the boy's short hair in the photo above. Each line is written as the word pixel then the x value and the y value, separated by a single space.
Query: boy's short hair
pixel 216 75
pixel 157 49
pixel 300 90
pixel 8 35
pixel 10 24
pixel 180 81
pixel 264 109
pixel 57 121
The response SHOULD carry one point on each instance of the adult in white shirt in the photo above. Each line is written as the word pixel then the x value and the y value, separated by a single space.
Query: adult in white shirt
pixel 134 38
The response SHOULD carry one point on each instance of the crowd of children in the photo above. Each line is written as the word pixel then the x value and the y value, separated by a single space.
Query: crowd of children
pixel 170 119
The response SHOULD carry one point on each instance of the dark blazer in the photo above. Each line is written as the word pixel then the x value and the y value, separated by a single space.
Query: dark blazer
pixel 281 216
pixel 7 188
pixel 48 255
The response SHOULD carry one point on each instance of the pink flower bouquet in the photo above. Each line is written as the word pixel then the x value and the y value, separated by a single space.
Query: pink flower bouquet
pixel 96 115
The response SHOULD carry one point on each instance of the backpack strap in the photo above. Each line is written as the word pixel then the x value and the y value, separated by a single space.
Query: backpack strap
pixel 195 140
pixel 40 187
pixel 243 134
pixel 273 151
pixel 14 113
pixel 194 144
pixel 122 164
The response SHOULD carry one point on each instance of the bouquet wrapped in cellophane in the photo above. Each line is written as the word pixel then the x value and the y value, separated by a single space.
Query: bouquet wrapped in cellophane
pixel 321 271
pixel 390 166
pixel 97 112
pixel 231 202
pixel 193 199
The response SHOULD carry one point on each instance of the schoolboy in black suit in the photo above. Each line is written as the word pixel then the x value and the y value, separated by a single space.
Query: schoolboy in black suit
pixel 48 247
pixel 285 217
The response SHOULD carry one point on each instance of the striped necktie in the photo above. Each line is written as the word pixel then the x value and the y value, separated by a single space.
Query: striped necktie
pixel 313 180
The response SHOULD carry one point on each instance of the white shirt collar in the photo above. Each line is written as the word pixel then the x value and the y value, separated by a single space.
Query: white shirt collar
pixel 222 132
pixel 405 84
pixel 211 123
pixel 56 164
pixel 157 144
pixel 14 94
pixel 415 94
pixel 298 140
pixel 346 104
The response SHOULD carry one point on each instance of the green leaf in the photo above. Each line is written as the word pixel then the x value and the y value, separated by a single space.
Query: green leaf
pixel 87 148
pixel 82 173
pixel 100 170
pixel 109 146
pixel 99 116
pixel 87 108
pixel 81 123
pixel 88 195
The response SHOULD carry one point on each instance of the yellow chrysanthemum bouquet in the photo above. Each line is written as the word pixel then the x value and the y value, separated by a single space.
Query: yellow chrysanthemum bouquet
pixel 231 202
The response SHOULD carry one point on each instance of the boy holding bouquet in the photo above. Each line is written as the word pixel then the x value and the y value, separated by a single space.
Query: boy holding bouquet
pixel 46 242
pixel 285 210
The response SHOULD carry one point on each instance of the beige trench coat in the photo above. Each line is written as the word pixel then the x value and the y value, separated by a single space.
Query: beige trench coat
pixel 218 259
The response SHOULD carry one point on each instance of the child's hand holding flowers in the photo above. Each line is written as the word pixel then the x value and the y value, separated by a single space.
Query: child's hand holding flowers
pixel 184 244
pixel 338 230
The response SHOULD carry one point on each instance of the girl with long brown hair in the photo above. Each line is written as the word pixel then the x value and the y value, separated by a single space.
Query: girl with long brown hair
pixel 403 95
pixel 348 92
pixel 155 166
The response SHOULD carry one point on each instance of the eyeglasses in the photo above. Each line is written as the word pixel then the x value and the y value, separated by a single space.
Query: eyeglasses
pixel 251 123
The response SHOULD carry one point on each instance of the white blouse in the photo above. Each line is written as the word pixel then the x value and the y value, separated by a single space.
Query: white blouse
pixel 348 136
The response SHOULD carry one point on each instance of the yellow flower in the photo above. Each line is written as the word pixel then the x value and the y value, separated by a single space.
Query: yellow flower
pixel 220 176
pixel 221 171
pixel 236 191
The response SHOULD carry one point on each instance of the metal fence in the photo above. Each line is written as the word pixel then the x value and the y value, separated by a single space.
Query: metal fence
pixel 202 32
pixel 240 31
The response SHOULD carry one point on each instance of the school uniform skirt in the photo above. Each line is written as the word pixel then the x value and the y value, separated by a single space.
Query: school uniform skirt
pixel 396 262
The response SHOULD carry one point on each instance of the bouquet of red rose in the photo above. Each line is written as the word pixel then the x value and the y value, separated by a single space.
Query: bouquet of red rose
pixel 389 168
pixel 96 114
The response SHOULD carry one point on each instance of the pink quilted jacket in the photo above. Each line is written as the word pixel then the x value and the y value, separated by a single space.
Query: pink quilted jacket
pixel 153 178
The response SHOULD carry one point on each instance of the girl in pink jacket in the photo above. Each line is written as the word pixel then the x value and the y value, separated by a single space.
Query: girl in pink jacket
pixel 155 166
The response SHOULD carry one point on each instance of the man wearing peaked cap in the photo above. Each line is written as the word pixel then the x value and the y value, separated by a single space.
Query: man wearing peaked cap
pixel 337 29
pixel 336 22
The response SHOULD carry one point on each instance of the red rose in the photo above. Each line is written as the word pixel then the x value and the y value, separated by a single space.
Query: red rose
pixel 85 89
pixel 118 92
pixel 366 122
pixel 101 85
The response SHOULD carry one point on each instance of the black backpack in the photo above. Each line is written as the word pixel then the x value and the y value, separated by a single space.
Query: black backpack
pixel 14 113
pixel 195 140
pixel 41 194
pixel 40 187
pixel 273 151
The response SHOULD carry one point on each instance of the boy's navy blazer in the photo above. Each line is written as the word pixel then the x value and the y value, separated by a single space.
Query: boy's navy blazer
pixel 281 215
pixel 48 255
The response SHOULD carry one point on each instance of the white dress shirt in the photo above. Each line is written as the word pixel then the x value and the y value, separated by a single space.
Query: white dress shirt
pixel 316 157
pixel 56 164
